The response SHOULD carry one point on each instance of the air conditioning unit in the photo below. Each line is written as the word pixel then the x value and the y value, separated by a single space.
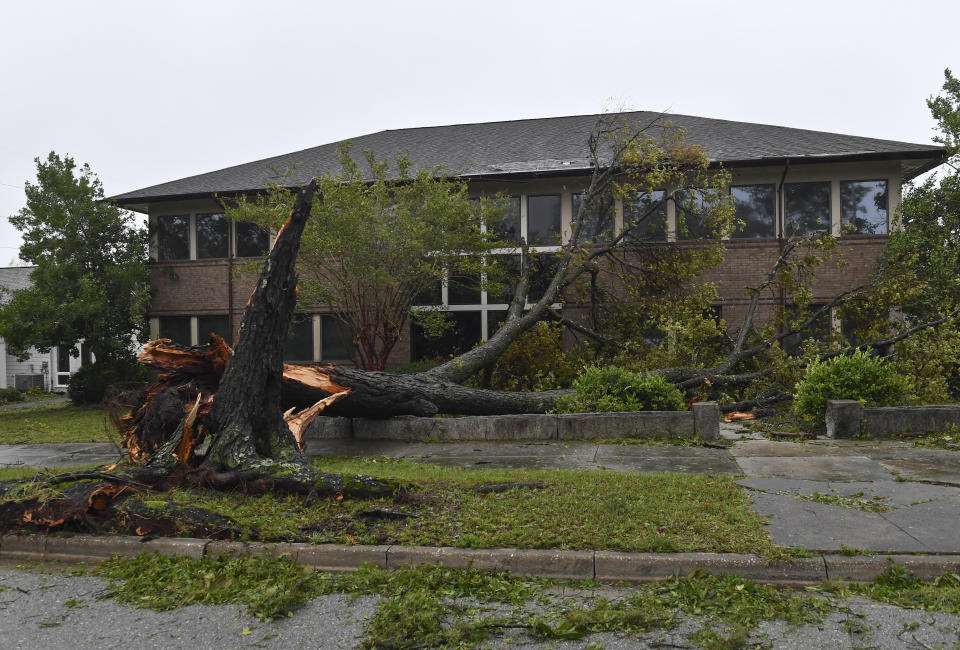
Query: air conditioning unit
pixel 26 382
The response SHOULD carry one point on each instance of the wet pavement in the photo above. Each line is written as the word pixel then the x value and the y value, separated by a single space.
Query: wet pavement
pixel 880 496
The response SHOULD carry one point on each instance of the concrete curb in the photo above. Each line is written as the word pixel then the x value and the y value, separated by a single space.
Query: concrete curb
pixel 604 566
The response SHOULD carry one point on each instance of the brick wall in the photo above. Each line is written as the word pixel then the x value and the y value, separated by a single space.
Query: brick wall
pixel 199 287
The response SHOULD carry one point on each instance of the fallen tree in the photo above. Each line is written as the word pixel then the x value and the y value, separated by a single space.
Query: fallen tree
pixel 623 160
pixel 234 434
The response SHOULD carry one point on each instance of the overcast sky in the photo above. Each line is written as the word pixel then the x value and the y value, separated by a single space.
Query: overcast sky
pixel 151 92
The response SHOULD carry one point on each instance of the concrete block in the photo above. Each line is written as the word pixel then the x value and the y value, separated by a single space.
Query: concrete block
pixel 927 567
pixel 84 548
pixel 89 548
pixel 706 420
pixel 338 557
pixel 636 424
pixel 28 547
pixel 843 418
pixel 894 420
pixel 403 428
pixel 182 546
pixel 489 427
pixel 574 565
pixel 328 428
pixel 646 567
pixel 856 568
pixel 233 549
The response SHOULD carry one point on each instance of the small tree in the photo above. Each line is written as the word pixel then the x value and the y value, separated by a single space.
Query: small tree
pixel 91 277
pixel 374 245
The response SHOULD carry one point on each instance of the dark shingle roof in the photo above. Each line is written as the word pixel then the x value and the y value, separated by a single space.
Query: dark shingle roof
pixel 534 146
pixel 13 278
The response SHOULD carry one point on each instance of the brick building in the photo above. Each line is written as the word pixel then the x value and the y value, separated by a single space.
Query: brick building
pixel 785 181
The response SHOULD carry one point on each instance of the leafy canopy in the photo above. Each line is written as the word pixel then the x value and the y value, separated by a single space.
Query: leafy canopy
pixel 380 238
pixel 90 280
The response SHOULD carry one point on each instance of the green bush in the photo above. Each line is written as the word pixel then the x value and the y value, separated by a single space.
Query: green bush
pixel 537 360
pixel 602 389
pixel 89 384
pixel 9 395
pixel 858 376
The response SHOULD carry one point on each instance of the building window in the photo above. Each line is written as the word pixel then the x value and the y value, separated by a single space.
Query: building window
pixel 863 207
pixel 543 220
pixel 63 365
pixel 252 240
pixel 219 325
pixel 462 336
pixel 336 339
pixel 693 211
pixel 212 236
pixel 755 206
pixel 507 227
pixel 463 288
pixel 645 217
pixel 173 237
pixel 598 218
pixel 176 328
pixel 807 208
pixel 299 345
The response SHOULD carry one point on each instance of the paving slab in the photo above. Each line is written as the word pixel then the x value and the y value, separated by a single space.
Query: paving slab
pixel 896 494
pixel 745 448
pixel 819 527
pixel 940 469
pixel 646 458
pixel 934 524
pixel 816 468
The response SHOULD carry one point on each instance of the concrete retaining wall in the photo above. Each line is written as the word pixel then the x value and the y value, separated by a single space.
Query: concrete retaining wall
pixel 702 421
pixel 847 418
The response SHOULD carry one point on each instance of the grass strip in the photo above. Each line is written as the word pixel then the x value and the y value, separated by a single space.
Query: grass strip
pixel 898 586
pixel 578 510
pixel 60 422
pixel 586 510
pixel 432 606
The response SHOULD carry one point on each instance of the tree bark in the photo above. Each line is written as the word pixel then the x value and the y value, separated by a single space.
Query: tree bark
pixel 246 412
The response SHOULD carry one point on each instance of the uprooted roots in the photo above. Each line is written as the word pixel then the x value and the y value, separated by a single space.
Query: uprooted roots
pixel 100 500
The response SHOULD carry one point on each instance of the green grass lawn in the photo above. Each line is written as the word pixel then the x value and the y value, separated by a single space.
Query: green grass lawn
pixel 61 422
pixel 588 510
pixel 578 510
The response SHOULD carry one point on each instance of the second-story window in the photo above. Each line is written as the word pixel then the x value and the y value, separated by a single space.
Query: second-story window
pixel 755 206
pixel 598 218
pixel 173 237
pixel 693 208
pixel 543 220
pixel 645 217
pixel 252 240
pixel 806 208
pixel 863 207
pixel 507 227
pixel 213 233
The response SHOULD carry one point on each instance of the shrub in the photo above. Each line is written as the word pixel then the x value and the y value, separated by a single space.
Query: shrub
pixel 89 384
pixel 8 395
pixel 601 389
pixel 858 376
pixel 537 361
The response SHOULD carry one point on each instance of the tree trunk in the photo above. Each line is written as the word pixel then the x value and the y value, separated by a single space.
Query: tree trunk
pixel 246 411
pixel 379 394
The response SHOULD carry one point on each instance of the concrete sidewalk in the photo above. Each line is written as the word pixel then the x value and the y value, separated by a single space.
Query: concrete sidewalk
pixel 880 496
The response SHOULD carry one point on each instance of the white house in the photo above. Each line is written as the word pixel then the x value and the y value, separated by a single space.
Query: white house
pixel 50 370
